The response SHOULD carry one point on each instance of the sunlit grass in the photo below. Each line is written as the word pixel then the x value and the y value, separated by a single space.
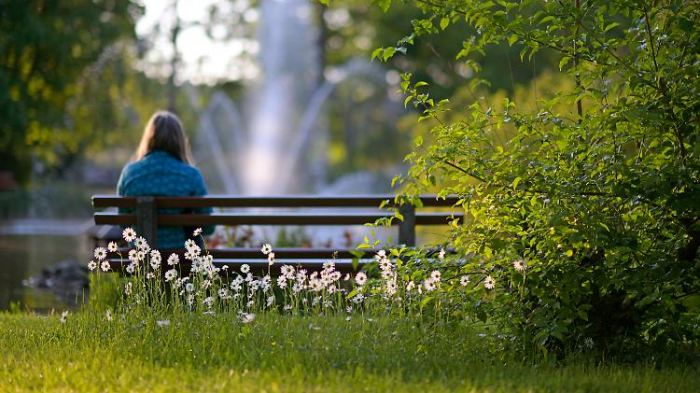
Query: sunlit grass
pixel 299 332
pixel 287 353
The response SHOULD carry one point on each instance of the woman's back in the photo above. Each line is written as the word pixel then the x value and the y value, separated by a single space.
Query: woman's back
pixel 160 174
pixel 161 168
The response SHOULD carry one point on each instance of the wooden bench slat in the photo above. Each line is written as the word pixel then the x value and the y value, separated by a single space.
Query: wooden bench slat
pixel 268 219
pixel 107 218
pixel 103 201
pixel 114 219
pixel 256 265
pixel 280 253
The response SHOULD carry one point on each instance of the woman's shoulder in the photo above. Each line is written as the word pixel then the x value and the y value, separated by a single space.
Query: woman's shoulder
pixel 160 162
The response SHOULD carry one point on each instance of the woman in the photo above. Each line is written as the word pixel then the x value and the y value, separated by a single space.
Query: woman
pixel 162 166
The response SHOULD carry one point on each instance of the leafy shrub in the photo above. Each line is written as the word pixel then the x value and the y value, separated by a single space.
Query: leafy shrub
pixel 595 191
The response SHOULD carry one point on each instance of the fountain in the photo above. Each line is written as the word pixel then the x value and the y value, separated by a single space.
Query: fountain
pixel 264 153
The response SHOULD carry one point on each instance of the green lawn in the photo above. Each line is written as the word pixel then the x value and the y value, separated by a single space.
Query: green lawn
pixel 287 353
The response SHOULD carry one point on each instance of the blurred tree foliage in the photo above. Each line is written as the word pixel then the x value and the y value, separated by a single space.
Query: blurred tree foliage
pixel 358 124
pixel 356 28
pixel 45 48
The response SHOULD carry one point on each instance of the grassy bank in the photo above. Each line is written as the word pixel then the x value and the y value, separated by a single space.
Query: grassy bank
pixel 287 353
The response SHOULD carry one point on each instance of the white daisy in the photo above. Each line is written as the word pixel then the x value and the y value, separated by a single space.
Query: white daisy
pixel 247 317
pixel 385 265
pixel 92 265
pixel 489 283
pixel 173 260
pixel 141 244
pixel 464 281
pixel 190 244
pixel 170 275
pixel 266 248
pixel 129 235
pixel 441 254
pixel 282 281
pixel 410 286
pixel 105 266
pixel 287 271
pixel 155 262
pixel 100 253
pixel 387 274
pixel 435 276
pixel 245 268
pixel 64 316
pixel 197 232
pixel 271 258
pixel 519 265
pixel 112 247
pixel 361 278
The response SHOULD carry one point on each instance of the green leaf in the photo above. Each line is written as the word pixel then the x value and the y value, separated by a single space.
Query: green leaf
pixel 444 22
pixel 384 4
pixel 418 141
pixel 512 39
pixel 388 53
pixel 516 182
pixel 563 62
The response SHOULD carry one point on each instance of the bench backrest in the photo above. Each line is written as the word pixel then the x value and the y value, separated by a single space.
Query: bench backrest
pixel 146 217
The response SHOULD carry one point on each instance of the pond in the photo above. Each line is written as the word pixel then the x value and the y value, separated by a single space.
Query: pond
pixel 27 255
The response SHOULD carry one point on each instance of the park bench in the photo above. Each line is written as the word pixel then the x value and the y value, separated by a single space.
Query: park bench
pixel 146 217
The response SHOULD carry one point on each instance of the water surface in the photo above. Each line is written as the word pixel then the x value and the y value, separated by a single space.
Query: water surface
pixel 25 255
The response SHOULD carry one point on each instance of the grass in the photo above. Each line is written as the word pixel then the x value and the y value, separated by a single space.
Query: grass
pixel 288 353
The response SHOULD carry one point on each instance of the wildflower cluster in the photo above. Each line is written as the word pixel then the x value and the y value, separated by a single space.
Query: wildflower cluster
pixel 392 282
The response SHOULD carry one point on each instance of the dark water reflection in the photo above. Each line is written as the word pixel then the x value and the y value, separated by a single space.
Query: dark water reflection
pixel 24 256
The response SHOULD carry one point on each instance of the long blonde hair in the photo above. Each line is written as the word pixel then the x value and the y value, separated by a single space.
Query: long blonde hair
pixel 164 132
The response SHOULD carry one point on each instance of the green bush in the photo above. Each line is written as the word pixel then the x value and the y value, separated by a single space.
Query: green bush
pixel 595 191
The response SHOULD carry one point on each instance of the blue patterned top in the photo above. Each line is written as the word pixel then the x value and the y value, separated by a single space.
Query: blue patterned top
pixel 161 174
